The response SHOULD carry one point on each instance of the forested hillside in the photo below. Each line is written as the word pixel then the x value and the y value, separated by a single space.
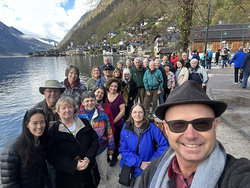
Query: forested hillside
pixel 118 15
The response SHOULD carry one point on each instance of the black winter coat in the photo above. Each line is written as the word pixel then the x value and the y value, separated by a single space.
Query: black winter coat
pixel 63 150
pixel 14 175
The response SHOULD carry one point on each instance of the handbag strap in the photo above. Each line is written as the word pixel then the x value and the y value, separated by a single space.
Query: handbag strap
pixel 138 143
pixel 73 135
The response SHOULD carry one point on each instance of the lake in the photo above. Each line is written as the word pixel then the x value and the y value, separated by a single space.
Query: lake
pixel 20 79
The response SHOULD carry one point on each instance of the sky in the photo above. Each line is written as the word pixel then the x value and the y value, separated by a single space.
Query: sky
pixel 50 19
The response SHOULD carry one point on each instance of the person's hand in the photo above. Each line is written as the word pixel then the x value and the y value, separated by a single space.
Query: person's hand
pixel 203 85
pixel 83 164
pixel 159 92
pixel 148 93
pixel 144 165
pixel 131 98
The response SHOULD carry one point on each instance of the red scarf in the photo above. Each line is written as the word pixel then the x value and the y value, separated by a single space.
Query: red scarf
pixel 74 85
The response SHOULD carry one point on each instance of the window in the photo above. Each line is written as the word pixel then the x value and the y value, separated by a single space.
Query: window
pixel 210 46
pixel 244 44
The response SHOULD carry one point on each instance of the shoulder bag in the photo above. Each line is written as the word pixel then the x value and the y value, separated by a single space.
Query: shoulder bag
pixel 95 175
pixel 126 174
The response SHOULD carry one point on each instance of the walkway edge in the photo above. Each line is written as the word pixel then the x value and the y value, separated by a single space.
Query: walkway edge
pixel 227 120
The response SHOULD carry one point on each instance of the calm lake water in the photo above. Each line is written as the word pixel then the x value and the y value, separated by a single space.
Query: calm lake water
pixel 20 79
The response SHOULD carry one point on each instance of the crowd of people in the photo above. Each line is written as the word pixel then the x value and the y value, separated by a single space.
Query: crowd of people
pixel 79 127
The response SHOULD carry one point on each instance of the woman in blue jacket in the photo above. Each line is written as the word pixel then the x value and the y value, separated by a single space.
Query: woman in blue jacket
pixel 139 131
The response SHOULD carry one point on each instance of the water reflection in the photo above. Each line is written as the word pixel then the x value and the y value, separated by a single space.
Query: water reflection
pixel 20 79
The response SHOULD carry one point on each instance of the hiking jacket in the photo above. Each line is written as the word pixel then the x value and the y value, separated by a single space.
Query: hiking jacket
pixel 101 125
pixel 137 76
pixel 74 92
pixel 150 80
pixel 150 135
pixel 238 59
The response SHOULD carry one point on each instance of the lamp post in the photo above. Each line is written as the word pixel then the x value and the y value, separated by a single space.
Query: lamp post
pixel 208 14
pixel 243 33
pixel 221 34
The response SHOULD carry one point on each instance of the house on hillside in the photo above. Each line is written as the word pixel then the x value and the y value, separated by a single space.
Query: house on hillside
pixel 221 36
pixel 132 48
pixel 166 43
pixel 112 34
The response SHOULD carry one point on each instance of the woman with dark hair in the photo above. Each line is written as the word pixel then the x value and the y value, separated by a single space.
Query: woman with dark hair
pixel 74 88
pixel 72 148
pixel 23 160
pixel 138 132
pixel 100 96
pixel 117 106
pixel 100 123
pixel 95 75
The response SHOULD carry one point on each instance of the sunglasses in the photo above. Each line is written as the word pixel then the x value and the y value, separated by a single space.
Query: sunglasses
pixel 200 124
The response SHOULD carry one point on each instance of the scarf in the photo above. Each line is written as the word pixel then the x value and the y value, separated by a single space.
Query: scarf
pixel 75 84
pixel 211 168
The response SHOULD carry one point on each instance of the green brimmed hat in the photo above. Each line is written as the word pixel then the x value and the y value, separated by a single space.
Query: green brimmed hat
pixel 51 84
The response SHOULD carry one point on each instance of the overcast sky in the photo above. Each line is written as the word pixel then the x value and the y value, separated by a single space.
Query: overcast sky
pixel 50 19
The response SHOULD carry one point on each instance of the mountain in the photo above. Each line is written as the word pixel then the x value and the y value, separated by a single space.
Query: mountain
pixel 13 42
pixel 122 16
pixel 74 28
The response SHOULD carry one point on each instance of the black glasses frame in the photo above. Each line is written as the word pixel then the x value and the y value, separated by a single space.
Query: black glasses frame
pixel 198 125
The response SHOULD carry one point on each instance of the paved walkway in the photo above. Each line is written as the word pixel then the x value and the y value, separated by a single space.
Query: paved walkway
pixel 221 87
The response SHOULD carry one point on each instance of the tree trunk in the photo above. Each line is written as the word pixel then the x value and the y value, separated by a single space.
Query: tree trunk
pixel 187 7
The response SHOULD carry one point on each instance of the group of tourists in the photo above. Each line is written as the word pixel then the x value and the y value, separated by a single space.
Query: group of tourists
pixel 70 137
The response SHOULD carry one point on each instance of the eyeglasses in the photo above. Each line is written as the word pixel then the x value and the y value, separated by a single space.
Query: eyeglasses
pixel 200 124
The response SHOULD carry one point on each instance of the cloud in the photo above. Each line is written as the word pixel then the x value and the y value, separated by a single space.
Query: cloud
pixel 44 18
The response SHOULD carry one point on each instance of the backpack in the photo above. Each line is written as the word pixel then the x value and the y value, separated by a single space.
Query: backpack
pixel 209 55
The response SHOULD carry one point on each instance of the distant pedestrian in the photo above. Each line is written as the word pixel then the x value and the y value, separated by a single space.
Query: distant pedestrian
pixel 246 70
pixel 224 57
pixel 209 56
pixel 217 56
pixel 238 59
